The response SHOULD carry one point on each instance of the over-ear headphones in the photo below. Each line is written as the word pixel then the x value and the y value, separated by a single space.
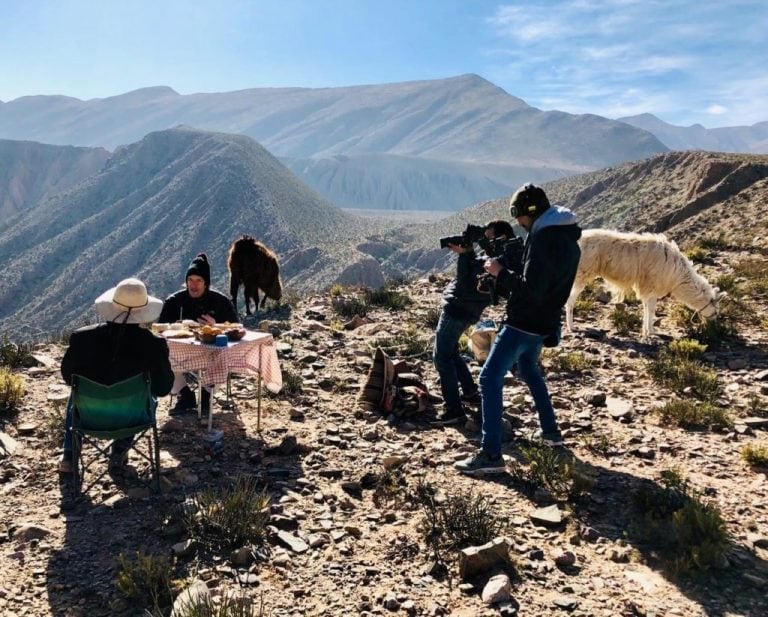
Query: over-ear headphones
pixel 528 200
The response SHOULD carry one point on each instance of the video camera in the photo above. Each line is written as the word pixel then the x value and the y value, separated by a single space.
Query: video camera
pixel 473 233
pixel 509 253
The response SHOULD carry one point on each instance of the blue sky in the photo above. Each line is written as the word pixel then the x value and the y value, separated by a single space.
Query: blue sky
pixel 684 61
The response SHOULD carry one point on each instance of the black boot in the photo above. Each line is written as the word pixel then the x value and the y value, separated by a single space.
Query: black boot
pixel 450 416
pixel 185 402
pixel 205 402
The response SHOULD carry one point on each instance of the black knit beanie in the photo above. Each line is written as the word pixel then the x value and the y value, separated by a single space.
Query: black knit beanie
pixel 199 267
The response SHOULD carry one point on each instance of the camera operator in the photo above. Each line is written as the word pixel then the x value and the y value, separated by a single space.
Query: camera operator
pixel 463 304
pixel 534 310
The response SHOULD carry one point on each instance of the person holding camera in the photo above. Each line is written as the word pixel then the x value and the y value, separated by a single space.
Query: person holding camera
pixel 463 304
pixel 533 316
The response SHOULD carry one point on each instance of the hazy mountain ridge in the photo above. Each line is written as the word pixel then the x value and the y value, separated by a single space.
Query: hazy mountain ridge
pixel 152 207
pixel 686 195
pixel 748 139
pixel 31 172
pixel 449 122
pixel 411 182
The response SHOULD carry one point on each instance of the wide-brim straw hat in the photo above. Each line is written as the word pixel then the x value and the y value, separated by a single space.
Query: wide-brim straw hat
pixel 128 302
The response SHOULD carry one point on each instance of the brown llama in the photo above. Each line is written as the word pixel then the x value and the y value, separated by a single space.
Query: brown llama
pixel 255 267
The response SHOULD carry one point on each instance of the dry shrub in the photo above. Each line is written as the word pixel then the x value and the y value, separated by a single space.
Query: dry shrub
pixel 686 532
pixel 11 390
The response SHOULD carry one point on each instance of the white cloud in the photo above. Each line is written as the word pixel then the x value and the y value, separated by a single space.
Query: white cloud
pixel 683 60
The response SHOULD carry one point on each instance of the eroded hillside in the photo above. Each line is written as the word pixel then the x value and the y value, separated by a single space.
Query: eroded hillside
pixel 348 527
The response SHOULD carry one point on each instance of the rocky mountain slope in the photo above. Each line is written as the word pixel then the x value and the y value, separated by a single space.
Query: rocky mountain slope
pixel 151 208
pixel 32 172
pixel 689 196
pixel 347 533
pixel 440 125
pixel 752 138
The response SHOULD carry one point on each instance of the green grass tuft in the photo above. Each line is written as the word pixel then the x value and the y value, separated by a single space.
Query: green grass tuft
pixel 688 534
pixel 683 374
pixel 228 518
pixel 11 390
pixel 755 454
pixel 146 581
pixel 691 414
pixel 624 320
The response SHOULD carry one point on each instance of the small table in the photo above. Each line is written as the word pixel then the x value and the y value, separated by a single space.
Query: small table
pixel 255 353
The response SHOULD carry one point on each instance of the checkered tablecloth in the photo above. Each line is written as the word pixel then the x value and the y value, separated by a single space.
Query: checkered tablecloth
pixel 254 353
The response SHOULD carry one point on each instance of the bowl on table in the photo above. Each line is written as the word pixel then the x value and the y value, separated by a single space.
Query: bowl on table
pixel 235 334
pixel 207 334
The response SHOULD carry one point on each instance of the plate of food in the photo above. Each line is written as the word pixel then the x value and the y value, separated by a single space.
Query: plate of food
pixel 178 333
pixel 207 334
pixel 229 325
pixel 235 334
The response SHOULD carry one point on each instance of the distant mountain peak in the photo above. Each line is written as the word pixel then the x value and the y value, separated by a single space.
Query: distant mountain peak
pixel 145 94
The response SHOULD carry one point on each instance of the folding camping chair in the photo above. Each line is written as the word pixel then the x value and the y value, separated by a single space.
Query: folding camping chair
pixel 100 412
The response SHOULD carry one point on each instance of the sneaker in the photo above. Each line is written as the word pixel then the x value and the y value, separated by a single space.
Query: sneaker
pixel 65 463
pixel 553 439
pixel 185 402
pixel 479 463
pixel 473 398
pixel 450 416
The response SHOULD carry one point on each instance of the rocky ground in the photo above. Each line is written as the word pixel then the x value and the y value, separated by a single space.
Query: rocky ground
pixel 336 547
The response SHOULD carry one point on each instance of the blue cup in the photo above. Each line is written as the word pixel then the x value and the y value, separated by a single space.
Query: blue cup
pixel 221 340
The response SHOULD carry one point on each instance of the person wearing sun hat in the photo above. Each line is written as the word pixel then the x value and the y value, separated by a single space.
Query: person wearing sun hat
pixel 116 349
pixel 199 302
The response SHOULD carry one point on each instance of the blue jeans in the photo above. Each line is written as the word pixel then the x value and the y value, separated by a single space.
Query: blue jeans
pixel 449 363
pixel 512 346
pixel 118 446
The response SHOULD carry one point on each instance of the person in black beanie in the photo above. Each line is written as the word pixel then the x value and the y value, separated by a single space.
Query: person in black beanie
pixel 198 302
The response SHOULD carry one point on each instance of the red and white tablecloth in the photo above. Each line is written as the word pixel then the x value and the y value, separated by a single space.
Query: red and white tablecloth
pixel 254 353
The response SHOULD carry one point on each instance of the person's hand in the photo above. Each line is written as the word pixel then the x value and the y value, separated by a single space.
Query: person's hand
pixel 206 320
pixel 457 248
pixel 488 233
pixel 492 267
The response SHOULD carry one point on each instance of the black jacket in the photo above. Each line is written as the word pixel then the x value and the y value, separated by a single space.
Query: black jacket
pixel 461 300
pixel 108 353
pixel 182 306
pixel 550 260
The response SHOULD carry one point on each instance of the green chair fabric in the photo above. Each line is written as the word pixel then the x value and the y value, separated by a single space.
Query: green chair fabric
pixel 110 412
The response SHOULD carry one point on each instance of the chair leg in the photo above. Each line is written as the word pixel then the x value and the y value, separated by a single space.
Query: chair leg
pixel 155 453
pixel 77 472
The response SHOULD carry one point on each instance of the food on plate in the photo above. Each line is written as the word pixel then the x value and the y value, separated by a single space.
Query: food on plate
pixel 229 325
pixel 235 334
pixel 174 333
pixel 206 329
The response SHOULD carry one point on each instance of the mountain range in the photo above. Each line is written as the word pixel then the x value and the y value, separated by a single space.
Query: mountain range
pixel 689 196
pixel 422 145
pixel 156 203
pixel 748 139
pixel 31 172
pixel 151 208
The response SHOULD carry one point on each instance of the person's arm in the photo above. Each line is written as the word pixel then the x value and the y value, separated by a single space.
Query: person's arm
pixel 67 364
pixel 170 310
pixel 161 373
